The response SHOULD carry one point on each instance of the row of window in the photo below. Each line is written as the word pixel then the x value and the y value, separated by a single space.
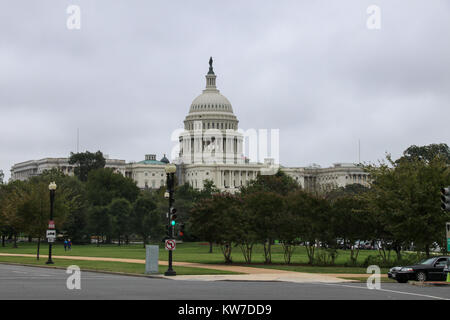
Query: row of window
pixel 213 106
pixel 214 125
pixel 161 183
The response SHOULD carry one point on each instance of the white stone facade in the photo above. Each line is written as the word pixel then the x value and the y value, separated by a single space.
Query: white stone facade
pixel 211 148
pixel 25 170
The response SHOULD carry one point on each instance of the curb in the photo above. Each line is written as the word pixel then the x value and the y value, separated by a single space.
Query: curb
pixel 429 284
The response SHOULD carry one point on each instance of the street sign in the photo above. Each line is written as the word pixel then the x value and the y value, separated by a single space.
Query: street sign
pixel 51 234
pixel 170 245
pixel 51 224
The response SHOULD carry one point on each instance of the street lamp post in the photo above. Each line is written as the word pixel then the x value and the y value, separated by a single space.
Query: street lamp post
pixel 52 188
pixel 170 172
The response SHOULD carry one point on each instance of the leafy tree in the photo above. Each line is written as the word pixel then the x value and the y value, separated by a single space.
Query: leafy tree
pixel 2 176
pixel 214 219
pixel 350 190
pixel 120 212
pixel 279 183
pixel 104 185
pixel 245 235
pixel 405 196
pixel 351 223
pixel 427 153
pixel 13 196
pixel 310 222
pixel 75 207
pixel 267 209
pixel 86 161
pixel 100 222
pixel 147 221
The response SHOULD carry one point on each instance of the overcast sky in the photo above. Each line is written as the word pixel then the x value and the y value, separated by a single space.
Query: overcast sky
pixel 311 69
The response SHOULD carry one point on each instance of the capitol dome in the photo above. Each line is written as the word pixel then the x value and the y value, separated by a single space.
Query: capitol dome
pixel 211 101
pixel 211 109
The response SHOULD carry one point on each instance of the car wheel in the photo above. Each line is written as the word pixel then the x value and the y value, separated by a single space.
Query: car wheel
pixel 421 276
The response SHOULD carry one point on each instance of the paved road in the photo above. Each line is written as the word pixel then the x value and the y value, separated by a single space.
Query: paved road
pixel 19 282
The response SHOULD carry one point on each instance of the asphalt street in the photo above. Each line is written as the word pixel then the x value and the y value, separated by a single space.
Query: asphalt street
pixel 20 282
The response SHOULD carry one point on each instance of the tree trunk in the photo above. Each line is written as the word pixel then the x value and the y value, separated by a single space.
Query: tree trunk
pixel 15 240
pixel 226 250
pixel 144 240
pixel 38 247
pixel 427 250
pixel 268 251
pixel 246 249
pixel 210 247
pixel 3 240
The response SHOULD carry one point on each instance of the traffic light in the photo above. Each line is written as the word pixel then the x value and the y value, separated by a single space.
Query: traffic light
pixel 173 217
pixel 181 233
pixel 445 198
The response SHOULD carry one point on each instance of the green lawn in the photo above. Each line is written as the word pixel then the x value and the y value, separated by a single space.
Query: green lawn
pixel 199 253
pixel 319 269
pixel 134 268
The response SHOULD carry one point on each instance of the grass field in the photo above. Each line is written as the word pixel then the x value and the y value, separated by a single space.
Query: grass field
pixel 134 268
pixel 199 253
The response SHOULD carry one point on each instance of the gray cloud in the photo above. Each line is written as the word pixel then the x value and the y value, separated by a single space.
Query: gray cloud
pixel 309 68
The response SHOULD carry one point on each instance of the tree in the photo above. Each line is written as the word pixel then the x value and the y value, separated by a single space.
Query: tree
pixel 72 191
pixel 120 212
pixel 427 153
pixel 267 209
pixel 147 221
pixel 14 194
pixel 214 220
pixel 405 197
pixel 351 222
pixel 311 219
pixel 350 190
pixel 279 183
pixel 86 161
pixel 104 185
pixel 100 222
pixel 2 176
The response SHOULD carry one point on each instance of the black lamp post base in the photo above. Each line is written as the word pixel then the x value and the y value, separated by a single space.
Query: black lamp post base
pixel 49 262
pixel 170 273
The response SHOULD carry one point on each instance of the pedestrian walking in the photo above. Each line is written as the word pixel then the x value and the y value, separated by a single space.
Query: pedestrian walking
pixel 70 244
pixel 65 244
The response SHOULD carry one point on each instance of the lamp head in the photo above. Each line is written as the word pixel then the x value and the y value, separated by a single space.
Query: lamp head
pixel 52 186
pixel 170 168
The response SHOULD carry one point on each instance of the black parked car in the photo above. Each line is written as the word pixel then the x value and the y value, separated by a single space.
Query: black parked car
pixel 428 270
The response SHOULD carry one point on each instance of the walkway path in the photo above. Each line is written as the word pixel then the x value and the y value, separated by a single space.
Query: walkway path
pixel 249 273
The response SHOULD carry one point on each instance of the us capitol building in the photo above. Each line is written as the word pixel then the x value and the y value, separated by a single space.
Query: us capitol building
pixel 210 148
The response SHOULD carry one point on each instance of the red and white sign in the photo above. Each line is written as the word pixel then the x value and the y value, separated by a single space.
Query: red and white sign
pixel 170 245
pixel 51 224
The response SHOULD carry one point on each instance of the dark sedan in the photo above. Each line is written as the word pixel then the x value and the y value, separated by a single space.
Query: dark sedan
pixel 428 270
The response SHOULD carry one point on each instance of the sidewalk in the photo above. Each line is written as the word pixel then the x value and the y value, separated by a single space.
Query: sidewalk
pixel 250 273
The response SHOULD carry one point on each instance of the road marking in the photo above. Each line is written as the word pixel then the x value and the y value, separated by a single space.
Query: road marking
pixel 23 272
pixel 393 291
